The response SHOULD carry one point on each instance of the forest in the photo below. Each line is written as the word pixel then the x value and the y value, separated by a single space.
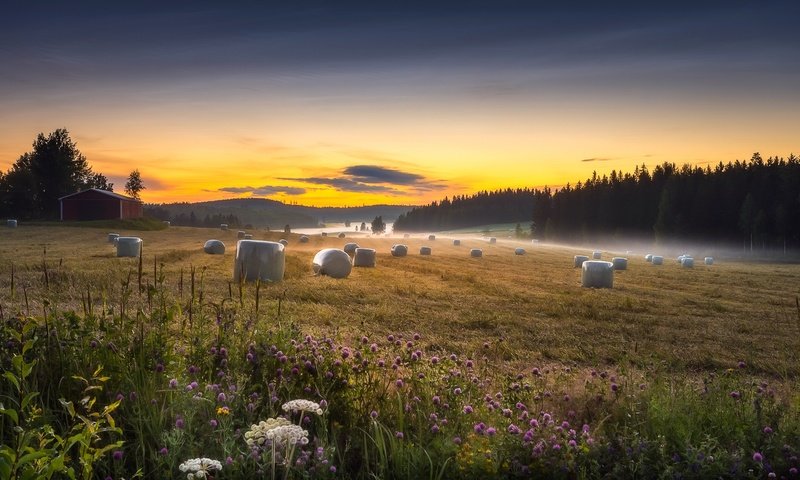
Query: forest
pixel 755 201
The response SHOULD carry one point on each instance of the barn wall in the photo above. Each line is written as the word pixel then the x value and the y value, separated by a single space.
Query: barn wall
pixel 79 208
pixel 131 209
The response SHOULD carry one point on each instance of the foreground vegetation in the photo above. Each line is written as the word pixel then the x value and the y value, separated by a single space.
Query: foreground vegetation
pixel 421 368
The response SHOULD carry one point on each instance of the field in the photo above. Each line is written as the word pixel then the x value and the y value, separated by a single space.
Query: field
pixel 665 327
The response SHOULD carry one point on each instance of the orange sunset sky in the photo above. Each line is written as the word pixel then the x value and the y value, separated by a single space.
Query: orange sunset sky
pixel 355 105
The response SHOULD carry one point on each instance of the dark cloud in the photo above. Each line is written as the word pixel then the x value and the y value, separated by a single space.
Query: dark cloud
pixel 265 190
pixel 346 185
pixel 596 159
pixel 376 174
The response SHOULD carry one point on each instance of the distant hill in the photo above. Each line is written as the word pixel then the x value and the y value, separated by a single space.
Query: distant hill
pixel 262 213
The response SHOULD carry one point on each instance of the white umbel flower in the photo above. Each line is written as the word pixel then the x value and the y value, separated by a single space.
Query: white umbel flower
pixel 199 467
pixel 288 435
pixel 256 437
pixel 302 406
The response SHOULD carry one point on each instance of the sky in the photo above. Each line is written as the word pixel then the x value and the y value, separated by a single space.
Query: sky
pixel 355 103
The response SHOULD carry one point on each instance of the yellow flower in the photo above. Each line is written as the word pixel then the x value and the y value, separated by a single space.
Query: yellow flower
pixel 223 411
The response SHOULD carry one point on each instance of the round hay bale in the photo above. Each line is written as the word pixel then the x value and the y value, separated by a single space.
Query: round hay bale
pixel 365 257
pixel 456 242
pixel 579 259
pixel 476 253
pixel 332 262
pixel 259 260
pixel 405 235
pixel 681 257
pixel 424 250
pixel 341 235
pixel 708 260
pixel 493 240
pixel 166 223
pixel 11 223
pixel 303 239
pixel 240 234
pixel 620 263
pixel 535 240
pixel 214 247
pixel 658 260
pixel 399 250
pixel 519 251
pixel 431 237
pixel 648 258
pixel 283 242
pixel 597 274
pixel 112 238
pixel 223 226
pixel 597 255
pixel 248 236
pixel 687 262
pixel 350 248
pixel 324 234
pixel 129 246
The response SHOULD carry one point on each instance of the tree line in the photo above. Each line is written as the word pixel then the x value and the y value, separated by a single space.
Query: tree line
pixel 756 200
pixel 191 220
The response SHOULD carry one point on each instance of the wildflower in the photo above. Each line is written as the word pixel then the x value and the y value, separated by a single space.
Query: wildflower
pixel 735 394
pixel 572 443
pixel 179 423
pixel 163 451
pixel 513 429
pixel 434 360
pixel 221 397
pixel 457 391
pixel 373 414
pixel 373 348
pixel 213 422
pixel 159 367
pixel 435 429
pixel 399 383
pixel 436 400
pixel 469 364
pixel 199 467
pixel 793 471
pixel 767 430
pixel 614 387
pixel 757 457
pixel 117 455
pixel 333 469
pixel 256 437
pixel 302 406
pixel 741 364
pixel 491 431
pixel 467 409
pixel 173 383
pixel 93 344
pixel 250 357
pixel 479 427
pixel 399 435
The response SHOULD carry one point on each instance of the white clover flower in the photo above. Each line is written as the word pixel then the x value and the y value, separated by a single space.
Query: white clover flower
pixel 288 435
pixel 256 437
pixel 199 467
pixel 302 406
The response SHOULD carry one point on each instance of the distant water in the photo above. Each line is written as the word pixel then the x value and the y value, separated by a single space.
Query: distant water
pixel 336 228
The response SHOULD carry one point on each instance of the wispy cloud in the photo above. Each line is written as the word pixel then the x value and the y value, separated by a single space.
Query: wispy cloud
pixel 374 179
pixel 376 174
pixel 346 185
pixel 596 159
pixel 264 191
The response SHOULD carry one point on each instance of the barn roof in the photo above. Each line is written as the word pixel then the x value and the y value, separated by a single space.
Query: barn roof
pixel 104 192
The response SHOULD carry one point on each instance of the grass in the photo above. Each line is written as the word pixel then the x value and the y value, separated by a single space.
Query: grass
pixel 650 366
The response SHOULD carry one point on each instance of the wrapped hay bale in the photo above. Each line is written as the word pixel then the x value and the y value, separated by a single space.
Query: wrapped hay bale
pixel 405 235
pixel 283 242
pixel 399 250
pixel 493 240
pixel 341 235
pixel 350 248
pixel 658 260
pixel 424 250
pixel 332 262
pixel 620 263
pixel 303 239
pixel 259 260
pixel 248 236
pixel 431 237
pixel 708 260
pixel 166 223
pixel 112 238
pixel 519 251
pixel 597 255
pixel 365 257
pixel 324 234
pixel 129 246
pixel 456 242
pixel 476 253
pixel 214 247
pixel 11 223
pixel 535 240
pixel 687 262
pixel 223 226
pixel 648 258
pixel 680 258
pixel 240 234
pixel 579 259
pixel 597 274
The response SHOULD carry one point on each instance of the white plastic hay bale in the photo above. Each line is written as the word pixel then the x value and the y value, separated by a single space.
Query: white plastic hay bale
pixel 332 262
pixel 341 235
pixel 658 260
pixel 259 260
pixel 303 239
pixel 687 262
pixel 579 259
pixel 248 236
pixel 399 250
pixel 112 238
pixel 476 253
pixel 519 251
pixel 493 240
pixel 11 223
pixel 365 257
pixel 129 246
pixel 597 274
pixel 166 223
pixel 648 258
pixel 214 247
pixel 681 257
pixel 283 242
pixel 708 260
pixel 597 255
pixel 223 226
pixel 350 248
pixel 424 250
pixel 240 234
pixel 456 242
pixel 405 235
pixel 324 234
pixel 535 240
pixel 620 263
pixel 431 237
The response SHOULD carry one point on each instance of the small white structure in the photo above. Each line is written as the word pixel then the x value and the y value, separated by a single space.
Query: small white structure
pixel 223 226
pixel 129 246
pixel 350 248
pixel 648 258
pixel 259 260
pixel 519 251
pixel 365 257
pixel 424 250
pixel 597 274
pixel 658 260
pixel 214 247
pixel 456 242
pixel 579 259
pixel 687 262
pixel 283 242
pixel 476 253
pixel 399 250
pixel 240 234
pixel 332 262
pixel 493 240
pixel 708 260
pixel 620 263
pixel 597 255
pixel 11 223
pixel 248 236
pixel 303 239
pixel 166 223
pixel 341 235
pixel 112 238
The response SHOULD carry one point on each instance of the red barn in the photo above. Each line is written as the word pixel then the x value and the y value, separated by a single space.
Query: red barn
pixel 96 204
